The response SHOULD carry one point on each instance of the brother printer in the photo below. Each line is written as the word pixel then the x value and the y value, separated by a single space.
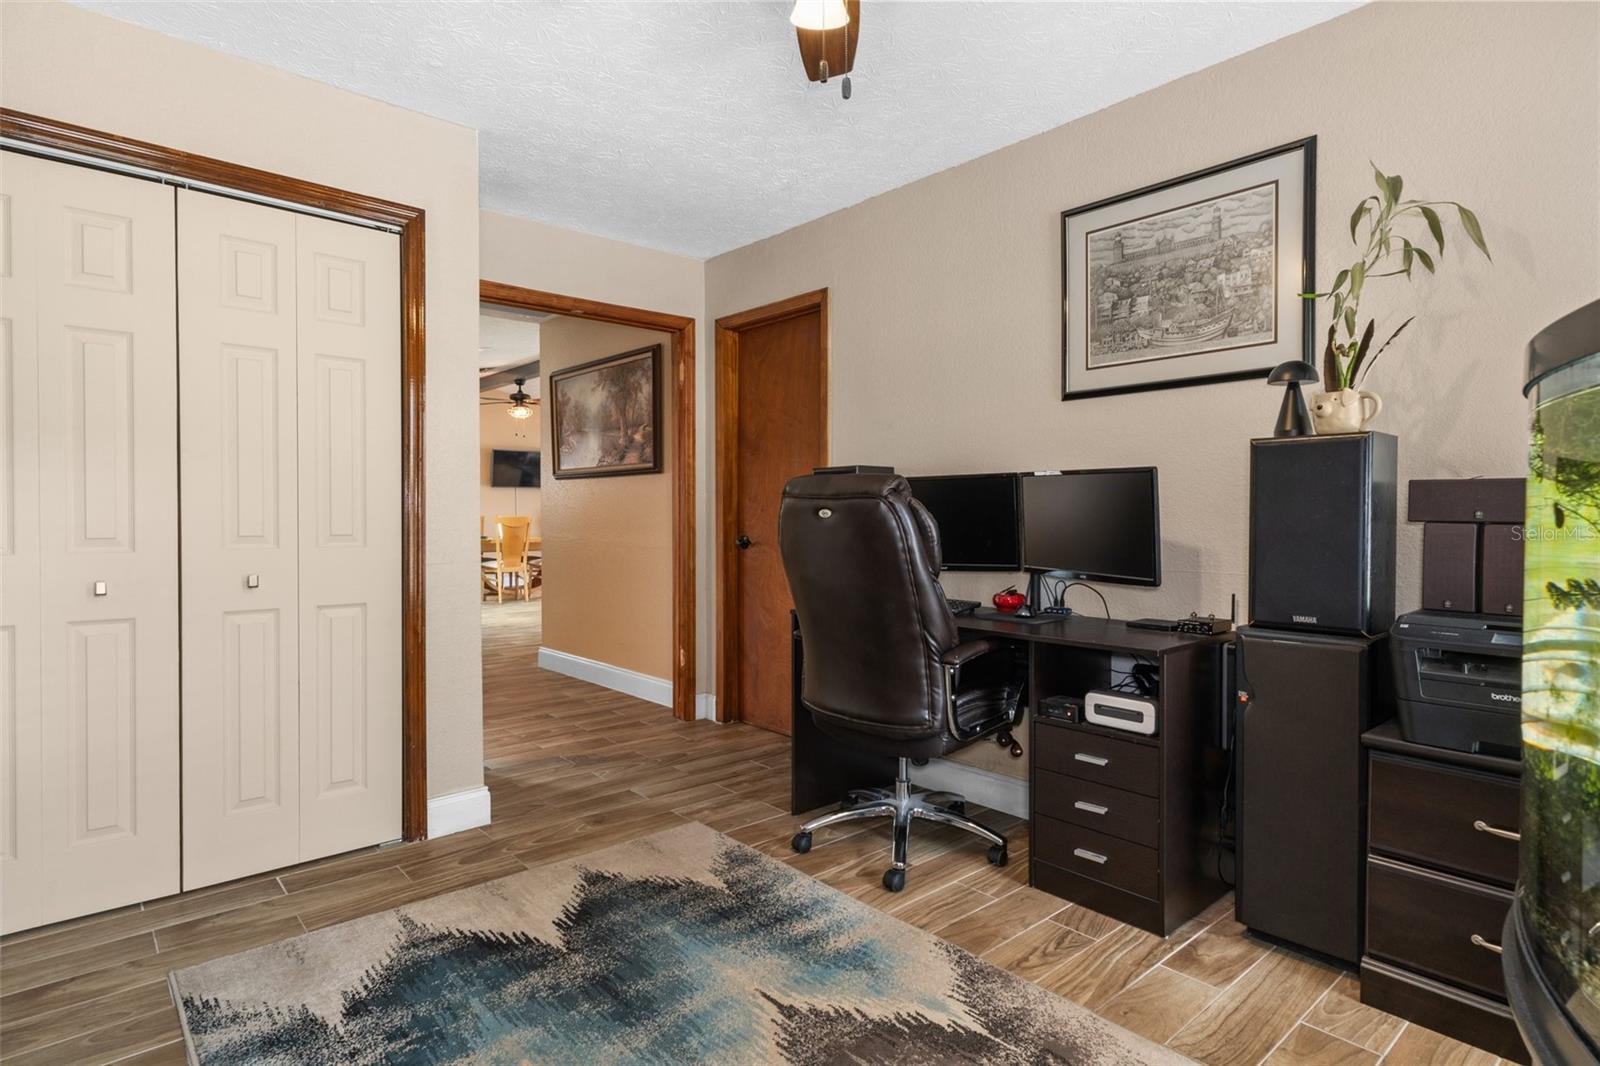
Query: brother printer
pixel 1458 681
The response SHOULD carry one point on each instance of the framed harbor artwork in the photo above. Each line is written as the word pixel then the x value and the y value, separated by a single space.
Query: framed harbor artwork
pixel 605 415
pixel 1193 280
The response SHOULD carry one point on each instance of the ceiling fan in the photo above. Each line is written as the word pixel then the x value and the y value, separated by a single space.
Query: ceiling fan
pixel 521 404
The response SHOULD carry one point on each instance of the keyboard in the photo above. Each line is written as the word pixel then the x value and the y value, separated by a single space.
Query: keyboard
pixel 962 606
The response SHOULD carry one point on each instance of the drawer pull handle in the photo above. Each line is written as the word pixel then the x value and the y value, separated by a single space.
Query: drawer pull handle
pixel 1504 834
pixel 1487 945
pixel 1092 760
pixel 1092 856
pixel 1092 808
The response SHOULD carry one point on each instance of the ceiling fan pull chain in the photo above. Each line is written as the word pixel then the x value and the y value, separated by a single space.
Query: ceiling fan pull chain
pixel 844 90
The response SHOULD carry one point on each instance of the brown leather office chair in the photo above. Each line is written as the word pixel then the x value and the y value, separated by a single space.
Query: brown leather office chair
pixel 884 666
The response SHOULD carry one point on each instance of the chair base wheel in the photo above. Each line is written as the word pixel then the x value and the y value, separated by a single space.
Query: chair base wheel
pixel 894 879
pixel 801 842
pixel 997 855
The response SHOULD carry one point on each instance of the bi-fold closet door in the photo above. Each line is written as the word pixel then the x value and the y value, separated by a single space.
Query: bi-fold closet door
pixel 134 316
pixel 88 542
pixel 289 329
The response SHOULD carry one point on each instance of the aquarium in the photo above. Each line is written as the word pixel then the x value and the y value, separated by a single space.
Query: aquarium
pixel 1559 896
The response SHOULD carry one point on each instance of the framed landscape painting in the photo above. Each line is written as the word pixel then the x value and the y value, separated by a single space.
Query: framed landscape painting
pixel 1194 280
pixel 605 415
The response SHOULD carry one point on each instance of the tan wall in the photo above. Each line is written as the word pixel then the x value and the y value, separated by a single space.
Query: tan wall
pixel 65 63
pixel 607 540
pixel 536 256
pixel 496 429
pixel 945 294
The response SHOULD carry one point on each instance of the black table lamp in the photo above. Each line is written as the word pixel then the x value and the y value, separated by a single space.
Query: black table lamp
pixel 1294 420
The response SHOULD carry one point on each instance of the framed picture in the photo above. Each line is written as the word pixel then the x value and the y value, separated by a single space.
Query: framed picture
pixel 1194 280
pixel 605 415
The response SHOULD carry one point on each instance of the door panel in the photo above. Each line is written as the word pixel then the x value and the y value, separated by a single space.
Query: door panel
pixel 780 420
pixel 349 607
pixel 103 268
pixel 21 785
pixel 241 724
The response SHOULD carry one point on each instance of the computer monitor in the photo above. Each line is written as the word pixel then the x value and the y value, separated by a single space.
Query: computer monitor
pixel 1099 525
pixel 977 518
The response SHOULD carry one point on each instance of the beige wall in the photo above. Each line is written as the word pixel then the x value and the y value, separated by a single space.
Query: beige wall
pixel 536 256
pixel 607 540
pixel 945 294
pixel 496 429
pixel 69 64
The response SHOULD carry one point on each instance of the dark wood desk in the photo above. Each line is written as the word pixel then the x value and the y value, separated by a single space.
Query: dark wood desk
pixel 1129 830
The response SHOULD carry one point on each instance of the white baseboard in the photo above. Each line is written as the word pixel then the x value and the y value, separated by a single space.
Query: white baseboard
pixel 655 689
pixel 458 811
pixel 705 707
pixel 998 791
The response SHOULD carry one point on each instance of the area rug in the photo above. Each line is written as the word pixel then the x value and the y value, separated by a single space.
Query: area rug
pixel 680 947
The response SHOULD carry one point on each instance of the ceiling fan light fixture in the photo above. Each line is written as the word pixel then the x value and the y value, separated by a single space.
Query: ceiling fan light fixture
pixel 819 14
pixel 519 411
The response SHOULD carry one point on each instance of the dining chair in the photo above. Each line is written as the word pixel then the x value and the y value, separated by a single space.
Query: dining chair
pixel 511 555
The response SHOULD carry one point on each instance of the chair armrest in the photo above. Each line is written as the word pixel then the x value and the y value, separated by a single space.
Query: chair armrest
pixel 953 660
pixel 962 654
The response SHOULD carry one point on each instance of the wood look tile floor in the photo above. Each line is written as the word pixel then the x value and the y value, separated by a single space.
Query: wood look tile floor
pixel 573 768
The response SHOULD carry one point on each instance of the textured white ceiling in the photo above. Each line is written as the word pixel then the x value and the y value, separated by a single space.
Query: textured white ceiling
pixel 690 127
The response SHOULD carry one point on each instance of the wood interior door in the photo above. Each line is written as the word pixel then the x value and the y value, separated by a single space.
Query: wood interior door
pixel 348 328
pixel 240 541
pixel 91 649
pixel 773 391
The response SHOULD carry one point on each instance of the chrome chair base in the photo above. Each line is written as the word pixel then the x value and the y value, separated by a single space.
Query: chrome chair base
pixel 902 806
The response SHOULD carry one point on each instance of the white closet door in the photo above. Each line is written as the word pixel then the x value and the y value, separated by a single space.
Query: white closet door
pixel 104 329
pixel 240 546
pixel 21 831
pixel 349 430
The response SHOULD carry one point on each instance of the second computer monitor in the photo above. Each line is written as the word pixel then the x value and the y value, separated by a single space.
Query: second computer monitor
pixel 977 519
pixel 1100 525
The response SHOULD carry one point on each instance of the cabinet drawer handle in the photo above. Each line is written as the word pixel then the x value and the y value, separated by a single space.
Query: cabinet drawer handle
pixel 1504 834
pixel 1487 945
pixel 1092 856
pixel 1092 760
pixel 1092 808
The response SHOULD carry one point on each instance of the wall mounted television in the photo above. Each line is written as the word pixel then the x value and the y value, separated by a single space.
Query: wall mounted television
pixel 514 470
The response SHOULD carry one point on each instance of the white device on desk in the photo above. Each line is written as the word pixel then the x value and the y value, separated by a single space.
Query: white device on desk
pixel 1115 710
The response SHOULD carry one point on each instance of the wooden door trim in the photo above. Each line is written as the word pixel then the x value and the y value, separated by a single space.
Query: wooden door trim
pixel 728 330
pixel 46 133
pixel 681 327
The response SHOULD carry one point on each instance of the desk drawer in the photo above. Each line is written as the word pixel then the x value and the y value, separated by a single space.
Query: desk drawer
pixel 1426 921
pixel 1088 853
pixel 1104 760
pixel 1427 813
pixel 1100 807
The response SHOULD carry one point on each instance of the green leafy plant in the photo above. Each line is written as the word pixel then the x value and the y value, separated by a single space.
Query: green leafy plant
pixel 1346 362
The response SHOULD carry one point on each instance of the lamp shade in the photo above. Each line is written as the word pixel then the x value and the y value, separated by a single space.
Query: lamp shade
pixel 819 14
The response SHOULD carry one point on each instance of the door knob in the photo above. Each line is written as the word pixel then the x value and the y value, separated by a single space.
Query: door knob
pixel 742 543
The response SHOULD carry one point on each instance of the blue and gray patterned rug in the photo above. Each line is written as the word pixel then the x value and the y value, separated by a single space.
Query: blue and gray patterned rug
pixel 680 947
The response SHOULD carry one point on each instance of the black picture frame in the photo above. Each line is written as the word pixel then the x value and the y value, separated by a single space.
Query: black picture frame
pixel 560 469
pixel 1306 282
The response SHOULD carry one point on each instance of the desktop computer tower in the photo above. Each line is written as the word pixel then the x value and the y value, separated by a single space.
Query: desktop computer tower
pixel 1305 699
pixel 1322 532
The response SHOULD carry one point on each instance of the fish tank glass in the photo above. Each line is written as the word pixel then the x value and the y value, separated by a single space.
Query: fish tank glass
pixel 1560 890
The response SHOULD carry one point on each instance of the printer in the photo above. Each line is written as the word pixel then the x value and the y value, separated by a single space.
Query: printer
pixel 1458 681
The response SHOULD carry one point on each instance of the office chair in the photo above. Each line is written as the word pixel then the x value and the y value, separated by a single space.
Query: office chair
pixel 884 666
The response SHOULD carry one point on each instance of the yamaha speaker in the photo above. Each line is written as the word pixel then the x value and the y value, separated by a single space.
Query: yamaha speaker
pixel 1322 531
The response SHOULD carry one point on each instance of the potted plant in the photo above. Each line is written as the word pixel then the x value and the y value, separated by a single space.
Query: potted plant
pixel 1343 406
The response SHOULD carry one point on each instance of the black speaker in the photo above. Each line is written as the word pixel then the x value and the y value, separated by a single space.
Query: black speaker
pixel 1322 529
